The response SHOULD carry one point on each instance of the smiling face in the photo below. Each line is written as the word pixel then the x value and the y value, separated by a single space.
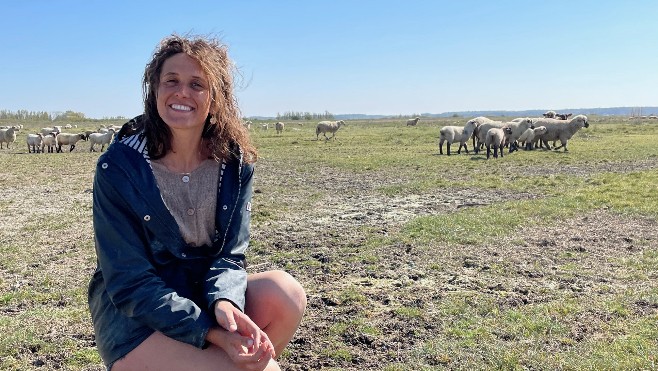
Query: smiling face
pixel 183 96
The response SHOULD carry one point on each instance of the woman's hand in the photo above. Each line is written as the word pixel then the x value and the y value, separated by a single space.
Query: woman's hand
pixel 243 340
pixel 240 349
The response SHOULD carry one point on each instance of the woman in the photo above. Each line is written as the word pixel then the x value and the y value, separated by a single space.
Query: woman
pixel 172 203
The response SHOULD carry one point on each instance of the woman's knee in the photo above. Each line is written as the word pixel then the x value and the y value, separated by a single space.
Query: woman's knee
pixel 279 289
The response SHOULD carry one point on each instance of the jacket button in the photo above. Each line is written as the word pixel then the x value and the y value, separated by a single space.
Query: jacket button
pixel 224 207
pixel 186 178
pixel 147 217
pixel 104 165
pixel 190 211
pixel 183 255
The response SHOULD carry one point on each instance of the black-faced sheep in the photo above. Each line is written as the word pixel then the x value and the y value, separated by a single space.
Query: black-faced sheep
pixel 495 139
pixel 325 127
pixel 560 130
pixel 452 134
pixel 68 139
pixel 413 122
pixel 562 116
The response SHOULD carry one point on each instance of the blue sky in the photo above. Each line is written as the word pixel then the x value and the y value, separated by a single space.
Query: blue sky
pixel 341 56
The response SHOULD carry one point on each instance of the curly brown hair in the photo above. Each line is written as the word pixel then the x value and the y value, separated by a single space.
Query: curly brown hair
pixel 223 130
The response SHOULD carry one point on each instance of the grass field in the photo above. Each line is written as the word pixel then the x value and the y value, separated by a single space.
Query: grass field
pixel 538 260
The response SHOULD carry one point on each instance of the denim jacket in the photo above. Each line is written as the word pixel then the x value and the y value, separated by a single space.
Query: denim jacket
pixel 147 278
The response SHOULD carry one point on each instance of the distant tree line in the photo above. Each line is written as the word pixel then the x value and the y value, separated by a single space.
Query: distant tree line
pixel 25 115
pixel 291 115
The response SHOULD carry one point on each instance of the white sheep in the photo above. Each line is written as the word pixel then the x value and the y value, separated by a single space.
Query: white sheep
pixel 325 127
pixel 34 143
pixel 8 136
pixel 496 138
pixel 50 141
pixel 54 129
pixel 518 126
pixel 549 114
pixel 528 136
pixel 100 138
pixel 560 130
pixel 413 121
pixel 478 122
pixel 279 127
pixel 68 139
pixel 451 134
pixel 247 124
pixel 265 126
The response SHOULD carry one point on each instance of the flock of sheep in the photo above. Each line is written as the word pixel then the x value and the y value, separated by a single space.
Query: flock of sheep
pixel 527 132
pixel 51 139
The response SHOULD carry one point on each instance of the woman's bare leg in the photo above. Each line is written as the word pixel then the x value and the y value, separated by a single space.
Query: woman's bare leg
pixel 275 301
pixel 160 352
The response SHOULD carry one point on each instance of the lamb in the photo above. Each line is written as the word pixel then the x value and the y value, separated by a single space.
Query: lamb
pixel 549 114
pixel 496 138
pixel 34 143
pixel 279 127
pixel 325 127
pixel 68 139
pixel 560 130
pixel 7 136
pixel 529 135
pixel 100 138
pixel 563 116
pixel 413 122
pixel 451 134
pixel 49 140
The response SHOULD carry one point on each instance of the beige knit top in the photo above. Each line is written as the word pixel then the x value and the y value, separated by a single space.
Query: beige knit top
pixel 191 198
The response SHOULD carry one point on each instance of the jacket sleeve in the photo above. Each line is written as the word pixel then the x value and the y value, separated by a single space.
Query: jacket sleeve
pixel 130 278
pixel 227 278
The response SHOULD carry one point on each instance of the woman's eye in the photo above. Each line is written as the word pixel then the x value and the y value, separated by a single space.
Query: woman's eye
pixel 197 86
pixel 171 82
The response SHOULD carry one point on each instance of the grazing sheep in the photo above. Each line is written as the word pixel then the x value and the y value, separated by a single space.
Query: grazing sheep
pixel 34 143
pixel 325 127
pixel 528 136
pixel 247 124
pixel 7 136
pixel 496 138
pixel 563 116
pixel 413 122
pixel 265 126
pixel 68 139
pixel 451 134
pixel 279 127
pixel 50 141
pixel 560 130
pixel 100 138
pixel 549 114
pixel 68 126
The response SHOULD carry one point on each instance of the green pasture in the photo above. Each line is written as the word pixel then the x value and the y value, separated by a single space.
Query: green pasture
pixel 47 251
